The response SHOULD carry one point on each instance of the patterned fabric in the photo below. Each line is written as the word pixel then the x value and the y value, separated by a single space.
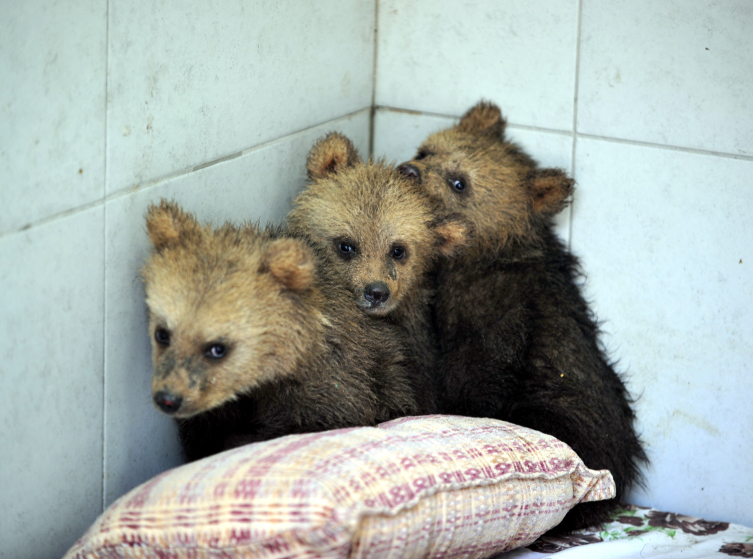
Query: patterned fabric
pixel 643 532
pixel 436 486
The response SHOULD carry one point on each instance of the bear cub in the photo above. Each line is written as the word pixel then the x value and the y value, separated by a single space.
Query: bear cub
pixel 380 231
pixel 253 338
pixel 518 341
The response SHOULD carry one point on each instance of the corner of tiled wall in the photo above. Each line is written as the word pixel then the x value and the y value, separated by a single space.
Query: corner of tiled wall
pixel 107 106
pixel 435 59
pixel 645 104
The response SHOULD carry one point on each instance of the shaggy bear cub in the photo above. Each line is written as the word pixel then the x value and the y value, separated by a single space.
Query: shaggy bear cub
pixel 254 338
pixel 517 340
pixel 380 231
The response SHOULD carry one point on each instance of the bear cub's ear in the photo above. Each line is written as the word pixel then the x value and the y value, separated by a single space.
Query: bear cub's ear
pixel 291 263
pixel 331 154
pixel 453 234
pixel 168 225
pixel 551 190
pixel 485 118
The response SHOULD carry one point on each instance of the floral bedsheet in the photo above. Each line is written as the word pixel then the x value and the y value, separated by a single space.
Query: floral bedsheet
pixel 644 532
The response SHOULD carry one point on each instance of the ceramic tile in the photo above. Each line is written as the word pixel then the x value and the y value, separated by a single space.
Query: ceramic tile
pixel 52 113
pixel 260 185
pixel 678 72
pixel 190 83
pixel 549 149
pixel 667 244
pixel 397 135
pixel 51 340
pixel 441 56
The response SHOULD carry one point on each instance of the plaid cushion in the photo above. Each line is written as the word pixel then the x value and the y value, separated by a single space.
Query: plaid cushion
pixel 415 487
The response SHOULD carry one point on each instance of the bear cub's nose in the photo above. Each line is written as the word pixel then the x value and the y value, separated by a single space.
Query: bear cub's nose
pixel 410 171
pixel 376 293
pixel 168 403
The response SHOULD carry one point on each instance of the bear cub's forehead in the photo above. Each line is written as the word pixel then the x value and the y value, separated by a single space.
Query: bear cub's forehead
pixel 195 263
pixel 203 275
pixel 455 141
pixel 455 151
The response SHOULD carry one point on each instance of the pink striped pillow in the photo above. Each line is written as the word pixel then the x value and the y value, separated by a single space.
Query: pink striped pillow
pixel 419 486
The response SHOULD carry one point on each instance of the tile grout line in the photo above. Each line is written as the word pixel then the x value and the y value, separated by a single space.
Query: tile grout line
pixel 575 120
pixel 568 133
pixel 157 181
pixel 263 145
pixel 188 170
pixel 104 270
pixel 456 117
pixel 372 112
pixel 581 135
pixel 694 151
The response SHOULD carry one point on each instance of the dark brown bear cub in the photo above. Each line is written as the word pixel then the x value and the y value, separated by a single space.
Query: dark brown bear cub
pixel 254 339
pixel 517 340
pixel 378 229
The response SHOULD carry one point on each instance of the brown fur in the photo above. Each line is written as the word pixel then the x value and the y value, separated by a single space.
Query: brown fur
pixel 375 210
pixel 298 356
pixel 517 340
pixel 472 151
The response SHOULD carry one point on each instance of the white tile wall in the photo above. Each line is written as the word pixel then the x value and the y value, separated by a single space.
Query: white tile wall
pixel 677 72
pixel 397 134
pixel 190 82
pixel 442 56
pixel 259 185
pixel 153 93
pixel 658 228
pixel 548 148
pixel 666 239
pixel 148 93
pixel 51 323
pixel 52 108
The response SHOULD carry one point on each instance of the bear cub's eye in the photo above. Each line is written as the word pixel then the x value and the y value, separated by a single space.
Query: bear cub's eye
pixel 423 153
pixel 398 253
pixel 216 351
pixel 345 248
pixel 162 336
pixel 458 185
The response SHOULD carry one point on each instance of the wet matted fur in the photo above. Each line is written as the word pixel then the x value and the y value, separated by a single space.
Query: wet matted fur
pixel 517 340
pixel 379 230
pixel 253 338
